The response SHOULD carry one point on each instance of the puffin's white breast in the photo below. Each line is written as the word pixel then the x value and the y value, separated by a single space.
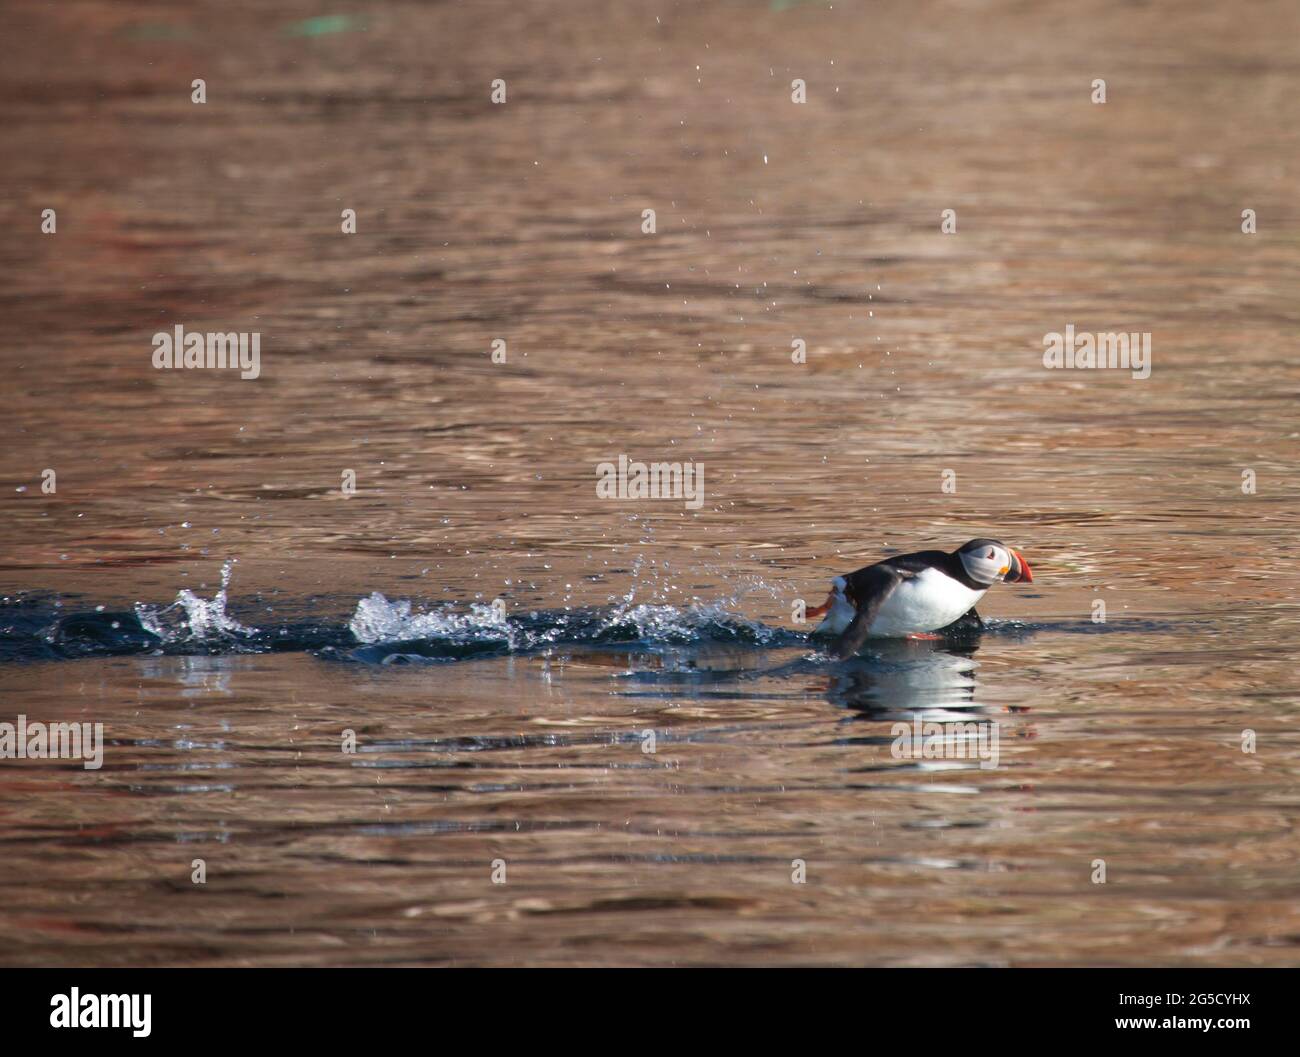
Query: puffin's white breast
pixel 925 602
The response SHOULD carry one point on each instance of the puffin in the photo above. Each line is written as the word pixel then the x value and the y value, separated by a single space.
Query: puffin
pixel 910 595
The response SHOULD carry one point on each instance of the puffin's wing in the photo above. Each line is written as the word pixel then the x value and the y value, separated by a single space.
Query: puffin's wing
pixel 868 588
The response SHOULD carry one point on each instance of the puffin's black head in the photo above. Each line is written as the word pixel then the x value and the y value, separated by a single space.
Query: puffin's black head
pixel 991 562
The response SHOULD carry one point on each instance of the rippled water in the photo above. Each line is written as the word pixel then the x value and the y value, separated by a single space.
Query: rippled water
pixel 200 584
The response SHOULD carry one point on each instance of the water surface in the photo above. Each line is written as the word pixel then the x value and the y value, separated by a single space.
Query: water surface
pixel 519 737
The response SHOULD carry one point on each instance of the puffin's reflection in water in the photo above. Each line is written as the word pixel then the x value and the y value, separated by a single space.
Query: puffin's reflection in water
pixel 897 678
pixel 926 691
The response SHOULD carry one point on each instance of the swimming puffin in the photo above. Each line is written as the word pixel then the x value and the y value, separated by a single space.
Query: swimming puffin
pixel 911 594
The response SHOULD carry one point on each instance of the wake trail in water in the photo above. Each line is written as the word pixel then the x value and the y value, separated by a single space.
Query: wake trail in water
pixel 379 631
pixel 386 632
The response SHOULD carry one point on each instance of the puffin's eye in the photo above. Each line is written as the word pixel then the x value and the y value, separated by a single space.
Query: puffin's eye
pixel 990 554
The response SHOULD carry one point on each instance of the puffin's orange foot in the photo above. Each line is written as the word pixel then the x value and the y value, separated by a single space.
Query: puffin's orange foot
pixel 821 610
pixel 926 636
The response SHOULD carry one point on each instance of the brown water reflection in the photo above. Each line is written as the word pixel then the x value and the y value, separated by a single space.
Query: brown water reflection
pixel 476 480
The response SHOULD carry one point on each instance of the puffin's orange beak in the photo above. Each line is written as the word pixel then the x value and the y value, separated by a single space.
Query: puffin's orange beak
pixel 1020 572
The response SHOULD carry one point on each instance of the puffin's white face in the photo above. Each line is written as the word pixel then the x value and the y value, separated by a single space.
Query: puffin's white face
pixel 986 561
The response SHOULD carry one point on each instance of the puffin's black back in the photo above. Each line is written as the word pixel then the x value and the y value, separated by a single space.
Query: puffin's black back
pixel 858 585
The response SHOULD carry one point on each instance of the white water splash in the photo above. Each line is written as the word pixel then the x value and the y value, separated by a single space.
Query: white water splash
pixel 665 623
pixel 191 618
pixel 377 620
